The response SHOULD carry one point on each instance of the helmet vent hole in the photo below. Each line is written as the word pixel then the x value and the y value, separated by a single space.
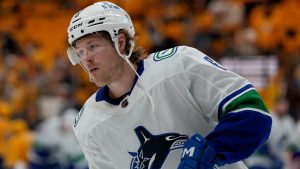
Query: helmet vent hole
pixel 95 24
pixel 72 36
pixel 82 31
pixel 91 21
pixel 115 32
pixel 100 19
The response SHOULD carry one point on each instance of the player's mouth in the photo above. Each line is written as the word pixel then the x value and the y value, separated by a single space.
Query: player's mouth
pixel 93 70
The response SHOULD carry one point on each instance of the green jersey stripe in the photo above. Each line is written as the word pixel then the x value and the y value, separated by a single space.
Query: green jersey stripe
pixel 249 99
pixel 235 97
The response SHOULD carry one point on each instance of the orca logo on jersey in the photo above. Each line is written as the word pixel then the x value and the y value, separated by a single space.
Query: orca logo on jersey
pixel 154 149
pixel 164 54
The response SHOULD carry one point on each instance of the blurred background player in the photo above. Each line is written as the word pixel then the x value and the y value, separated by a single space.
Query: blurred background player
pixel 283 145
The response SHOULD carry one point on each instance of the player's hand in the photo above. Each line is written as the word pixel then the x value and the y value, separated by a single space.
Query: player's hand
pixel 197 154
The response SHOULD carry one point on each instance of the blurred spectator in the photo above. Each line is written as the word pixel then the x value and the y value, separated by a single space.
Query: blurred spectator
pixel 9 45
pixel 5 130
pixel 290 26
pixel 228 15
pixel 265 19
pixel 202 26
pixel 19 144
pixel 276 87
pixel 244 42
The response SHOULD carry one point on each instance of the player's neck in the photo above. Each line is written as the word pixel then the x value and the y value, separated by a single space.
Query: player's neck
pixel 123 84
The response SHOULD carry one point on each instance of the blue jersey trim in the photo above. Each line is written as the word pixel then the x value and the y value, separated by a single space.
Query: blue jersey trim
pixel 226 99
pixel 102 93
pixel 239 134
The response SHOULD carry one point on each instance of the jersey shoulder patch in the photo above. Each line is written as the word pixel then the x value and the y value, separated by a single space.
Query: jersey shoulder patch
pixel 161 55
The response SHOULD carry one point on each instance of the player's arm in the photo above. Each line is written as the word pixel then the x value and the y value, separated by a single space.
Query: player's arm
pixel 244 123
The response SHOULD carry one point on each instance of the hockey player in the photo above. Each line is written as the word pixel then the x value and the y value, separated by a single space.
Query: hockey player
pixel 176 109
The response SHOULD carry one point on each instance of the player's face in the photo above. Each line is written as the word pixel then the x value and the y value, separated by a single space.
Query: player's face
pixel 100 59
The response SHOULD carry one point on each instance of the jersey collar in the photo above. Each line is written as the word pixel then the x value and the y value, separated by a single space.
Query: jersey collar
pixel 102 93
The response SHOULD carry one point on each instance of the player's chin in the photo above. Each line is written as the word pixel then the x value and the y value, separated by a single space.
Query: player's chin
pixel 99 83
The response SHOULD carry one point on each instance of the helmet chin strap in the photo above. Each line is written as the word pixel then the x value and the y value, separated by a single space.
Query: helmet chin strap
pixel 126 57
pixel 90 77
pixel 116 44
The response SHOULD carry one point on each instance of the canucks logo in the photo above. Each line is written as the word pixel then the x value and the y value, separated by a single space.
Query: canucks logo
pixel 164 54
pixel 154 149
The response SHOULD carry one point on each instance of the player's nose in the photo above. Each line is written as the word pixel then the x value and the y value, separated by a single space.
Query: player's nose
pixel 87 57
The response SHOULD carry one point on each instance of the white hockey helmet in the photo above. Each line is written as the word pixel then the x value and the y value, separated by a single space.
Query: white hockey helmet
pixel 101 16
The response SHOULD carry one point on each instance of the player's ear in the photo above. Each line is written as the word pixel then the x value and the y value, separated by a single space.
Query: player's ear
pixel 122 42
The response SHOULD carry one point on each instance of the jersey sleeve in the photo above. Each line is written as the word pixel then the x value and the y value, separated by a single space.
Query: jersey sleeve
pixel 231 101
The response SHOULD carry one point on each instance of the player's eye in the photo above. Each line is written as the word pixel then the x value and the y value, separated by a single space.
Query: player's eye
pixel 93 46
pixel 80 53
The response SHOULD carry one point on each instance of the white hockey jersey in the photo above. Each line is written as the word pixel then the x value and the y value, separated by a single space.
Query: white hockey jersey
pixel 190 93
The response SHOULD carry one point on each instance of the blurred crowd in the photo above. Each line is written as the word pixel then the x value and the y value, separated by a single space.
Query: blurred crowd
pixel 40 92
